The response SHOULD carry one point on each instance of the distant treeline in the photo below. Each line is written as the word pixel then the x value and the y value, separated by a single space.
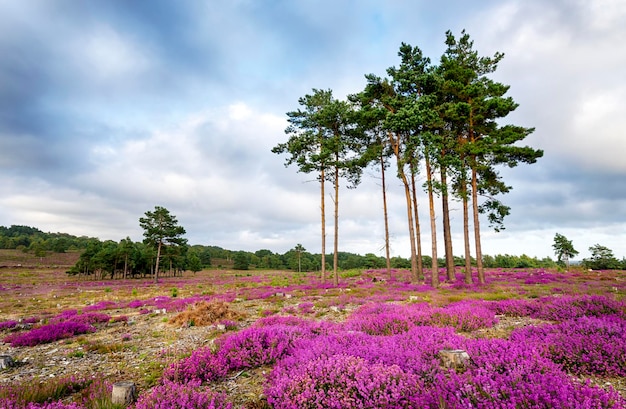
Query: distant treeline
pixel 34 240
pixel 109 259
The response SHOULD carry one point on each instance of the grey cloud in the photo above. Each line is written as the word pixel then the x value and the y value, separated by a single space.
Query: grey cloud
pixel 119 136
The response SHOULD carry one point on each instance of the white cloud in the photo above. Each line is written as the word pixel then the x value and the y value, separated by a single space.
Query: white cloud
pixel 108 56
pixel 597 129
pixel 605 15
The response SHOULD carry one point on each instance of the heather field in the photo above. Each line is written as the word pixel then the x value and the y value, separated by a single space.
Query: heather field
pixel 278 339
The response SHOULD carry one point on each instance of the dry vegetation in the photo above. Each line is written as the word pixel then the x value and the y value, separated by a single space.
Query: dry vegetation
pixel 205 313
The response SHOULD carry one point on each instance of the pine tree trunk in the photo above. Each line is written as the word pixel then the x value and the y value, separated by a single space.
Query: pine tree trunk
pixel 433 226
pixel 156 268
pixel 407 194
pixel 479 254
pixel 387 251
pixel 418 237
pixel 125 266
pixel 336 244
pixel 323 207
pixel 447 235
pixel 409 212
pixel 466 239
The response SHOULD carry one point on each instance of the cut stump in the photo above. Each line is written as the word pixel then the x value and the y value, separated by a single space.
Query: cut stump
pixel 456 359
pixel 124 393
pixel 6 362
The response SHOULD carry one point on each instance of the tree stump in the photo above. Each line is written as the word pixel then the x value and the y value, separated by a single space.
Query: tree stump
pixel 6 362
pixel 456 359
pixel 124 393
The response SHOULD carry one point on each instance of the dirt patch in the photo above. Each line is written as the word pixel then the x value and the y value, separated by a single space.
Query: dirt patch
pixel 506 325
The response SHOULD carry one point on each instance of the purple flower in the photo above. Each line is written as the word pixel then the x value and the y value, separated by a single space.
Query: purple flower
pixel 8 324
pixel 341 381
pixel 586 345
pixel 49 333
pixel 171 395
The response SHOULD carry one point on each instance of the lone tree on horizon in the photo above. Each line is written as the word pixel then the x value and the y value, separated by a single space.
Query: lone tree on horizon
pixel 161 229
pixel 564 249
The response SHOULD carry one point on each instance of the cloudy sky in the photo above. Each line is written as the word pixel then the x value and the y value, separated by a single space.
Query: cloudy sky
pixel 110 107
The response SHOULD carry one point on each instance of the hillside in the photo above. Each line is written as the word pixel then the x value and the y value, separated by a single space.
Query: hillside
pixel 19 258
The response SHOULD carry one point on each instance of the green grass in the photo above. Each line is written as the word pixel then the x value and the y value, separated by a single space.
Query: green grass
pixel 351 273
pixel 40 391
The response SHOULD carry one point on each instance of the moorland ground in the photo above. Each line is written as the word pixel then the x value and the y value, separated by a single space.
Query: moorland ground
pixel 145 334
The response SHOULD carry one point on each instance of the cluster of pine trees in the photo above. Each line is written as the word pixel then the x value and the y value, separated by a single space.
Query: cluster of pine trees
pixel 109 259
pixel 438 120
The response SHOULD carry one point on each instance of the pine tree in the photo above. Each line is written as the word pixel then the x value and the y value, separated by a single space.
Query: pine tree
pixel 161 229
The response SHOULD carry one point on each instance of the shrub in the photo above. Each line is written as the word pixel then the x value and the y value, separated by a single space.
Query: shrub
pixel 415 351
pixel 261 344
pixel 120 318
pixel 569 307
pixel 64 315
pixel 49 333
pixel 229 325
pixel 509 374
pixel 256 346
pixel 101 305
pixel 500 373
pixel 389 319
pixel 136 303
pixel 202 365
pixel 37 394
pixel 464 316
pixel 97 395
pixel 586 345
pixel 8 324
pixel 306 307
pixel 205 313
pixel 341 381
pixel 53 405
pixel 515 308
pixel 560 308
pixel 171 395
pixel 386 323
pixel 90 318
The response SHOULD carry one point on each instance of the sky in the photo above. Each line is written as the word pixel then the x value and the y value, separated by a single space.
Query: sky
pixel 109 108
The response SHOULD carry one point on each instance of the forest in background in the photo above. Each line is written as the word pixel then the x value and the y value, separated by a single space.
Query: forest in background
pixel 107 258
